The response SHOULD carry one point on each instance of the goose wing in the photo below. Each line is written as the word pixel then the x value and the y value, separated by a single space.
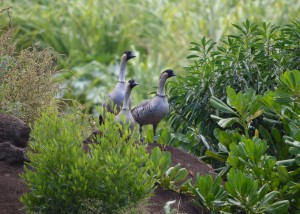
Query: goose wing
pixel 141 106
pixel 143 112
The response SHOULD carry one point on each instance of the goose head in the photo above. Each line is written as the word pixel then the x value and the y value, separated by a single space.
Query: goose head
pixel 132 83
pixel 128 55
pixel 168 73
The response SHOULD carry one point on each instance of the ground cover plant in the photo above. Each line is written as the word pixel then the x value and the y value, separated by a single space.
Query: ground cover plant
pixel 261 171
pixel 62 177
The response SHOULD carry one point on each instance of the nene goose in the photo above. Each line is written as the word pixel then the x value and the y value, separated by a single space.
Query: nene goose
pixel 116 97
pixel 125 113
pixel 154 110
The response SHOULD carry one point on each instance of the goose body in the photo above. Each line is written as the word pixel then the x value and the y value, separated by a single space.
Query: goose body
pixel 125 113
pixel 152 111
pixel 116 97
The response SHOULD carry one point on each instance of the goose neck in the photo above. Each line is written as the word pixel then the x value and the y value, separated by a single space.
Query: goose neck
pixel 161 86
pixel 122 69
pixel 127 98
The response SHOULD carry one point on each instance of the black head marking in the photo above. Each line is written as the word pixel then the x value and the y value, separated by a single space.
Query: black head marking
pixel 132 83
pixel 129 55
pixel 170 73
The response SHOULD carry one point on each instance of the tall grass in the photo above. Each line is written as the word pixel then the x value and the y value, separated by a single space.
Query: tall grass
pixel 83 31
pixel 86 30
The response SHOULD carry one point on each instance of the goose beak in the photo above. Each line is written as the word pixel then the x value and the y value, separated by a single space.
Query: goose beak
pixel 135 84
pixel 131 56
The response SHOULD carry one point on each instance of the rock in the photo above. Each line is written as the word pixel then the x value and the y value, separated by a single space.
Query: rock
pixel 11 153
pixel 13 130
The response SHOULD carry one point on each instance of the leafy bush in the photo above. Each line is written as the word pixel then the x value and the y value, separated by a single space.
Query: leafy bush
pixel 242 194
pixel 246 110
pixel 253 58
pixel 246 195
pixel 276 111
pixel 25 79
pixel 209 192
pixel 278 127
pixel 167 177
pixel 62 177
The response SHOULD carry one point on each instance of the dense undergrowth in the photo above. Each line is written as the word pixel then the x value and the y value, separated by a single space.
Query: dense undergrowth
pixel 253 58
pixel 62 177
pixel 238 107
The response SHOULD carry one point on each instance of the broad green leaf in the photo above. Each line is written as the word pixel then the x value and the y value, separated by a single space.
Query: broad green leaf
pixel 243 103
pixel 225 123
pixel 264 196
pixel 215 156
pixel 293 143
pixel 286 163
pixel 174 171
pixel 294 150
pixel 169 171
pixel 220 105
pixel 181 174
pixel 156 155
pixel 283 174
pixel 292 80
pixel 278 207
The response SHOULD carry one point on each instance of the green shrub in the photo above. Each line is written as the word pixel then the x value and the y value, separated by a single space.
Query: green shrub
pixel 242 194
pixel 277 134
pixel 167 176
pixel 245 194
pixel 253 58
pixel 62 177
pixel 209 192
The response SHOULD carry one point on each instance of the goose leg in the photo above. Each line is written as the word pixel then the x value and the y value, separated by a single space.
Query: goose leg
pixel 141 134
pixel 154 133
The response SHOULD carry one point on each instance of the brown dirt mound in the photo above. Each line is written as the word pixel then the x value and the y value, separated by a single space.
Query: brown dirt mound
pixel 11 187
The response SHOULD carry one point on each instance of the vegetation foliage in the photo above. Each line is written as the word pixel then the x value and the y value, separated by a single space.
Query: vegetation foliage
pixel 240 107
pixel 25 79
pixel 236 104
pixel 254 58
pixel 62 177
pixel 90 36
pixel 168 177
